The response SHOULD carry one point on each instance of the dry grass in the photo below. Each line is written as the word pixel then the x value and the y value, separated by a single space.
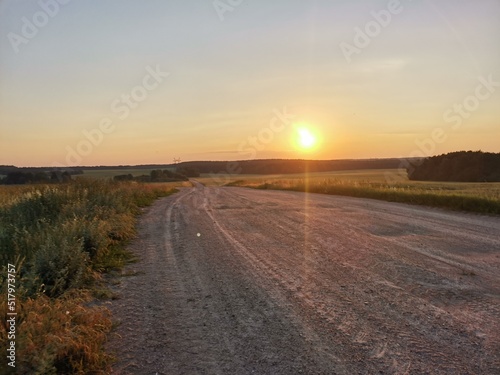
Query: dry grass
pixel 61 238
pixel 59 336
pixel 377 184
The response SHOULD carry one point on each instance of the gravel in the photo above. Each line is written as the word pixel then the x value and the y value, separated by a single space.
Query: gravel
pixel 242 281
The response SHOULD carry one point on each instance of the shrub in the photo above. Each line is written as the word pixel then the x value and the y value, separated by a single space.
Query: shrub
pixel 60 264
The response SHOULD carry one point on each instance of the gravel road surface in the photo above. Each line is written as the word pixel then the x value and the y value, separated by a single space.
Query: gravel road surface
pixel 241 281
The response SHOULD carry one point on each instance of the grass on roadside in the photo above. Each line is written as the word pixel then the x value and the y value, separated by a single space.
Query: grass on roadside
pixel 62 238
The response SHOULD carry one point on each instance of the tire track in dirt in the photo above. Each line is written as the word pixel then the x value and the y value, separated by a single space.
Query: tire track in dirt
pixel 243 281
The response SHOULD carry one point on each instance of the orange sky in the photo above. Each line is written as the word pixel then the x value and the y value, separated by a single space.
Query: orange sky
pixel 127 82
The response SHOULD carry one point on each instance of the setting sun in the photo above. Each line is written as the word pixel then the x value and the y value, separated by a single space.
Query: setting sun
pixel 306 140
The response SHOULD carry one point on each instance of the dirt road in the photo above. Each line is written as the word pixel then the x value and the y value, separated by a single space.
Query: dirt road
pixel 240 281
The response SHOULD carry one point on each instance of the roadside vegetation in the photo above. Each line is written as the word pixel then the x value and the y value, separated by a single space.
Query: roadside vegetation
pixel 473 197
pixel 62 239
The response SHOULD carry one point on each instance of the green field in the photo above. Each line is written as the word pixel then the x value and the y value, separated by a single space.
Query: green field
pixel 389 185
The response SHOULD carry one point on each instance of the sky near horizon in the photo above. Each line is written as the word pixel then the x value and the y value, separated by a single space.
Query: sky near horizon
pixel 131 82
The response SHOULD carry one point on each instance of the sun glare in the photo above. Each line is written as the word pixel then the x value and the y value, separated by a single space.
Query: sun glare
pixel 306 139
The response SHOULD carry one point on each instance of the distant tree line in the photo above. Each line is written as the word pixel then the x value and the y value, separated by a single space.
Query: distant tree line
pixel 262 166
pixel 11 175
pixel 461 166
pixel 22 178
pixel 158 175
pixel 284 166
pixel 6 169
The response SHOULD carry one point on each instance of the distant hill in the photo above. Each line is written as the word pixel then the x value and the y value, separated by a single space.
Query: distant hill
pixel 285 166
pixel 461 166
pixel 262 166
